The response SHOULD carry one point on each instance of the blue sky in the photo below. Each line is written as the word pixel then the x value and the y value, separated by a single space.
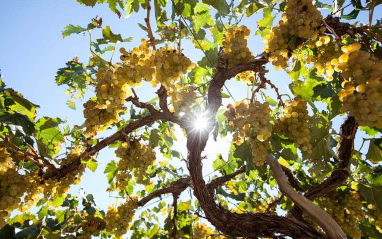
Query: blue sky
pixel 32 50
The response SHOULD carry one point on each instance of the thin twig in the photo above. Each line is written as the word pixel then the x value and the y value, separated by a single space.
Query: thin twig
pixel 373 34
pixel 331 30
pixel 147 20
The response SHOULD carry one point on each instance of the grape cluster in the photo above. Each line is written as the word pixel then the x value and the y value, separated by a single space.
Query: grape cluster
pixel 118 220
pixel 170 65
pixel 91 226
pixel 5 159
pixel 235 46
pixel 12 187
pixel 375 217
pixel 59 187
pixel 97 119
pixel 182 97
pixel 251 122
pixel 362 74
pixel 325 49
pixel 347 211
pixel 247 77
pixel 141 60
pixel 301 21
pixel 294 124
pixel 201 231
pixel 134 156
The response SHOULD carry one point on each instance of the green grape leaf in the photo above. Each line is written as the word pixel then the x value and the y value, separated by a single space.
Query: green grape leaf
pixel 110 170
pixel 375 177
pixel 202 17
pixel 374 154
pixel 367 228
pixel 58 201
pixel 71 104
pixel 154 137
pixel 183 206
pixel 253 8
pixel 334 106
pixel 370 131
pixel 21 105
pixel 372 194
pixel 264 25
pixel 48 136
pixel 304 89
pixel 109 37
pixel 237 197
pixel 158 5
pixel 71 29
pixel 271 101
pixel 43 212
pixel 153 231
pixel 60 216
pixel 320 139
pixel 18 124
pixel 92 165
pixel 378 143
pixel 73 75
pixel 220 5
pixel 352 15
pixel 88 3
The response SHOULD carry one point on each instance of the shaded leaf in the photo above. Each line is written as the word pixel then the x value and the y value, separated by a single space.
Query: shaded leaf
pixel 374 154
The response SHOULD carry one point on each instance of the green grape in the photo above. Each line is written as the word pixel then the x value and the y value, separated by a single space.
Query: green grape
pixel 182 97
pixel 362 85
pixel 251 122
pixel 301 20
pixel 347 211
pixel 134 156
pixel 118 220
pixel 236 51
pixel 294 124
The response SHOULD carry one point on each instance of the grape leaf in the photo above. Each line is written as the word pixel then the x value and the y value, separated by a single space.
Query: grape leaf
pixel 92 165
pixel 374 154
pixel 71 104
pixel 18 124
pixel 372 194
pixel 109 37
pixel 220 5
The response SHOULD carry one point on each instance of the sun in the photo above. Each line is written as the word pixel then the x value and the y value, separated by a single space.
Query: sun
pixel 200 123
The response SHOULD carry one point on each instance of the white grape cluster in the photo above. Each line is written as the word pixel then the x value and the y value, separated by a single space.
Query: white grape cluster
pixel 252 122
pixel 362 93
pixel 375 217
pixel 59 187
pixel 325 48
pixel 118 220
pixel 347 211
pixel 164 66
pixel 247 77
pixel 301 20
pixel 12 187
pixel 294 124
pixel 134 156
pixel 235 46
pixel 182 98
